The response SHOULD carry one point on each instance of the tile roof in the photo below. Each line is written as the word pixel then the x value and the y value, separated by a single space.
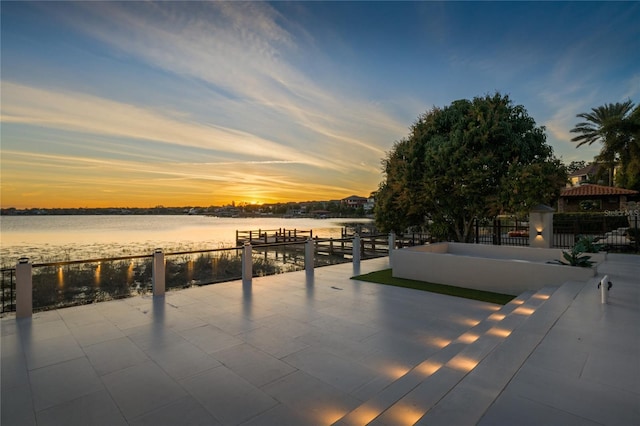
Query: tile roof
pixel 590 190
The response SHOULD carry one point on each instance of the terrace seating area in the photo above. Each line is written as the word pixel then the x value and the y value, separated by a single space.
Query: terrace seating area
pixel 296 350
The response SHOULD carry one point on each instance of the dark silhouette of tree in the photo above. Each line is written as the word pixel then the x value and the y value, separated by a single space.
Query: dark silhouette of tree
pixel 574 166
pixel 472 159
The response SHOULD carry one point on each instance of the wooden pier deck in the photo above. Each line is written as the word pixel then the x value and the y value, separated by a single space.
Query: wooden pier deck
pixel 270 236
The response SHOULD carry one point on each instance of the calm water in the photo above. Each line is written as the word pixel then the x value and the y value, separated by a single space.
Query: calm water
pixel 58 238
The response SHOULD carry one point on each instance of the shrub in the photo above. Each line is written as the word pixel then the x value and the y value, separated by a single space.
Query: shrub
pixel 587 244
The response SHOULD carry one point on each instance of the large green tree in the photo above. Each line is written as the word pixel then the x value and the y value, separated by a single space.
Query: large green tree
pixel 617 127
pixel 471 159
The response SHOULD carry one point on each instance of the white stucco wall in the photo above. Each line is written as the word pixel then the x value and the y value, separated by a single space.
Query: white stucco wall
pixel 501 269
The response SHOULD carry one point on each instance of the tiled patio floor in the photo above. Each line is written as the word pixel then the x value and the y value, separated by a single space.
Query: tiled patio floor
pixel 292 351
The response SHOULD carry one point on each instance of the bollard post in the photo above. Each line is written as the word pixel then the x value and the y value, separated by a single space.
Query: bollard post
pixel 158 273
pixel 392 247
pixel 247 264
pixel 309 256
pixel 356 251
pixel 24 288
pixel 604 285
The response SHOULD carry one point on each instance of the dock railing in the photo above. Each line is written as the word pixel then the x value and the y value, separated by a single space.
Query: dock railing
pixel 267 236
pixel 52 285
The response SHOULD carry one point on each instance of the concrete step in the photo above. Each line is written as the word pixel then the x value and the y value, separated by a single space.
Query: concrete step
pixel 408 398
pixel 482 385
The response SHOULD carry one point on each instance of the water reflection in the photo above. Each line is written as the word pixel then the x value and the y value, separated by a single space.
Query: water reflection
pixel 247 289
pixel 25 333
pixel 158 328
pixel 60 278
pixel 97 274
pixel 59 238
pixel 310 282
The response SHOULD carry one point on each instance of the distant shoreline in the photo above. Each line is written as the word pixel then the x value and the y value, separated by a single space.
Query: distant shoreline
pixel 166 211
pixel 238 216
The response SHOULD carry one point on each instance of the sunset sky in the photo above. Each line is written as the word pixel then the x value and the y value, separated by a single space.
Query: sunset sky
pixel 132 104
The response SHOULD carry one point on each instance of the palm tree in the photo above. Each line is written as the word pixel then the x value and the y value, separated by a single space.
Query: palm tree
pixel 609 124
pixel 602 123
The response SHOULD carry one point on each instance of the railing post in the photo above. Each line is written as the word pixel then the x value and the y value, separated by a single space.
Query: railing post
pixel 356 251
pixel 24 288
pixel 477 226
pixel 392 247
pixel 158 273
pixel 309 256
pixel 247 264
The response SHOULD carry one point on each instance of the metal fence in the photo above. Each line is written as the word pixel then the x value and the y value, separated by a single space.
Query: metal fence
pixel 615 233
pixel 69 283
pixel 8 287
pixel 507 232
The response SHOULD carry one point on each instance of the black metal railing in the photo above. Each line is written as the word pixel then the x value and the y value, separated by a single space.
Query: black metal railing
pixel 77 282
pixel 8 289
pixel 615 233
pixel 501 232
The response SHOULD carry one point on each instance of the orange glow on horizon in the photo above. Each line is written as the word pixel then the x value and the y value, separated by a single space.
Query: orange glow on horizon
pixel 44 200
pixel 66 185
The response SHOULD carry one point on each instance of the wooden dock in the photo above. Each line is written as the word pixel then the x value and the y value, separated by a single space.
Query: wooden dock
pixel 272 236
pixel 288 242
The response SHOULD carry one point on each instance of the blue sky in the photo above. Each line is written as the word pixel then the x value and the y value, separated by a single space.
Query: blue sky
pixel 198 103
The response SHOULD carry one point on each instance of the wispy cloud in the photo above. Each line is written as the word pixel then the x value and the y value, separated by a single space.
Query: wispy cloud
pixel 566 104
pixel 212 100
pixel 89 114
pixel 242 50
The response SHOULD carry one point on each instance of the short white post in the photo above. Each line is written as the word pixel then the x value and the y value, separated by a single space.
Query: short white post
pixel 247 264
pixel 604 289
pixel 309 252
pixel 392 246
pixel 158 273
pixel 356 251
pixel 24 288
